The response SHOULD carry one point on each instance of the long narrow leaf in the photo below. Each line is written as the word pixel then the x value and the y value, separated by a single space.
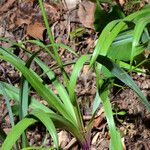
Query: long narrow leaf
pixel 7 104
pixel 55 48
pixel 115 136
pixel 42 90
pixel 138 30
pixel 45 119
pixel 16 132
pixel 5 52
pixel 102 39
pixel 124 77
pixel 58 86
pixel 75 73
pixel 24 98
pixel 69 49
pixel 62 123
pixel 73 79
pixel 13 93
pixel 111 31
pixel 37 42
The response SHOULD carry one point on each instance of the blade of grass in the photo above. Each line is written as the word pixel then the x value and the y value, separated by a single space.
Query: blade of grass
pixel 69 49
pixel 111 31
pixel 24 98
pixel 4 52
pixel 75 73
pixel 50 45
pixel 13 93
pixel 58 59
pixel 45 119
pixel 124 77
pixel 50 35
pixel 7 104
pixel 138 30
pixel 128 67
pixel 42 90
pixel 102 39
pixel 96 103
pixel 59 87
pixel 115 135
pixel 16 132
pixel 24 92
pixel 39 43
pixel 73 79
pixel 62 123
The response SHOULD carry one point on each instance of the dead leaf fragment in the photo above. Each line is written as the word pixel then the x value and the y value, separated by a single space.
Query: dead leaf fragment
pixel 63 138
pixel 36 30
pixel 6 6
pixel 21 21
pixel 99 118
pixel 72 143
pixel 94 140
pixel 86 13
pixel 52 12
pixel 6 34
pixel 71 3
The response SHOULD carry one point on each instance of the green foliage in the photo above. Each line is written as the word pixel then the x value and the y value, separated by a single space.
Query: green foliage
pixel 112 30
pixel 121 47
pixel 103 17
pixel 77 33
pixel 115 49
pixel 16 131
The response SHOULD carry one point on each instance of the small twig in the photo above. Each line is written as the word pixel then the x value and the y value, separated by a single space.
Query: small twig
pixel 89 117
pixel 71 144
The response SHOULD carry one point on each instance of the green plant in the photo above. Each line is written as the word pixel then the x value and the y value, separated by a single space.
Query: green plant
pixel 103 17
pixel 63 111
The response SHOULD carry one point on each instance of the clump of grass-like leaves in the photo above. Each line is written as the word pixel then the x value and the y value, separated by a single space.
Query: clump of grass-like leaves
pixel 63 111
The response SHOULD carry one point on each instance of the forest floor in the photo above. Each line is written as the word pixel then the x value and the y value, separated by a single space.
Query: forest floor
pixel 20 20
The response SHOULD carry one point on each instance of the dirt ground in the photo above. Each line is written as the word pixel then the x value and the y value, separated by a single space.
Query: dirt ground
pixel 20 20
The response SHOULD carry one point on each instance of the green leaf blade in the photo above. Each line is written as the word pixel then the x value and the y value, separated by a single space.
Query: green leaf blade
pixel 16 132
pixel 45 119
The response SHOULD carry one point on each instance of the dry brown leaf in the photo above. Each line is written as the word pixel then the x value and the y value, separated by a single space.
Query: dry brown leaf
pixel 71 3
pixel 6 34
pixel 21 21
pixel 36 30
pixel 63 138
pixel 95 138
pixel 70 145
pixel 52 12
pixel 5 7
pixel 99 118
pixel 86 13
